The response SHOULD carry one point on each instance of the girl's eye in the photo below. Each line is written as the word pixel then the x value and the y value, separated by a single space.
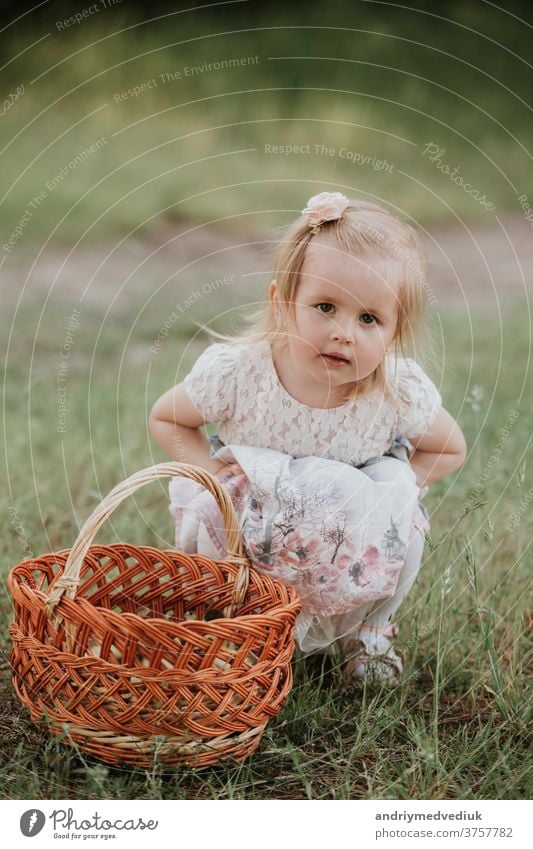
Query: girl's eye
pixel 366 318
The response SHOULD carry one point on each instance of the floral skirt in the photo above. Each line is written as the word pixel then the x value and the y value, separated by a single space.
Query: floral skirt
pixel 336 533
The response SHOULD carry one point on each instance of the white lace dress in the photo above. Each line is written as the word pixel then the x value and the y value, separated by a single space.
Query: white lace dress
pixel 309 516
pixel 238 387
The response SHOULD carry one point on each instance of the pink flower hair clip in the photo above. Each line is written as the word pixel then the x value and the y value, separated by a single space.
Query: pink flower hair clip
pixel 327 206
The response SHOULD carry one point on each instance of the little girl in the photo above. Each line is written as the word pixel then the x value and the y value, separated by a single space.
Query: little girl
pixel 322 376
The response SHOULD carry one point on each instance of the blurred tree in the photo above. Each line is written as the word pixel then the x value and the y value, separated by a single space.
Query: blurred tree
pixel 29 12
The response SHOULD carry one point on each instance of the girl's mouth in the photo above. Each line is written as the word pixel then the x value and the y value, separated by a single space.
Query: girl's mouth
pixel 334 361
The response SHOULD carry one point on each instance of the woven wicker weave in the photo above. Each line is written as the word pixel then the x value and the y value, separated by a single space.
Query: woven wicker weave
pixel 134 653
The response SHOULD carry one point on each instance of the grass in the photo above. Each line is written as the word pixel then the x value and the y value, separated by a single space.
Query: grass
pixel 377 82
pixel 456 728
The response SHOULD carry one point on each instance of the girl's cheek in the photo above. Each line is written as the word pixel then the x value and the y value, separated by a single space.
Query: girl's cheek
pixel 313 322
pixel 306 326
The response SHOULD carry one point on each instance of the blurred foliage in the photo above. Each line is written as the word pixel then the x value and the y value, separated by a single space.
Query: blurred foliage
pixel 371 81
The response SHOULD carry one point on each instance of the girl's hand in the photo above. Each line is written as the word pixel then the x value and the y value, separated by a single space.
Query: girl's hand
pixel 224 471
pixel 440 450
pixel 230 470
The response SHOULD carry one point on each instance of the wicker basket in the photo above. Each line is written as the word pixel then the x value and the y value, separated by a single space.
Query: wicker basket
pixel 132 652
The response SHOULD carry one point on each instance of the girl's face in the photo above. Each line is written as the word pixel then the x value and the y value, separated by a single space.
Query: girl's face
pixel 344 305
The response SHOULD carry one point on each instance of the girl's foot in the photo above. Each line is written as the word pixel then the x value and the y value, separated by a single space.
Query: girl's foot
pixel 373 659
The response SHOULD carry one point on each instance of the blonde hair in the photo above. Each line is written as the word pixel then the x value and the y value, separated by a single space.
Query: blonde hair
pixel 367 230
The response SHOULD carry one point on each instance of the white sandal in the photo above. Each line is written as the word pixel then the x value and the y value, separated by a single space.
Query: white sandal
pixel 374 659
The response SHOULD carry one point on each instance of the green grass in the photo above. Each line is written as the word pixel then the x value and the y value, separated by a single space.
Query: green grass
pixel 456 728
pixel 379 82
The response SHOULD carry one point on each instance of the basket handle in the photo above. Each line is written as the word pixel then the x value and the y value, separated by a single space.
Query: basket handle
pixel 70 578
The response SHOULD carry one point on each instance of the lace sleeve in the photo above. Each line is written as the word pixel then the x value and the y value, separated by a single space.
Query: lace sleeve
pixel 419 399
pixel 212 383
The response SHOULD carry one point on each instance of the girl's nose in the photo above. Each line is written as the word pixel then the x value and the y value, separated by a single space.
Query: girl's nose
pixel 344 331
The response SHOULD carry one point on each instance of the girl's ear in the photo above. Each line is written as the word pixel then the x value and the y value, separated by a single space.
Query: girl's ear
pixel 272 292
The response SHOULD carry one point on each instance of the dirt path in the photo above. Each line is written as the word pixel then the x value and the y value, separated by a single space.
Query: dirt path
pixel 466 268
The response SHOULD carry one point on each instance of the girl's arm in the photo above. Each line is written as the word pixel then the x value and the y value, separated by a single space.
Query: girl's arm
pixel 174 423
pixel 440 450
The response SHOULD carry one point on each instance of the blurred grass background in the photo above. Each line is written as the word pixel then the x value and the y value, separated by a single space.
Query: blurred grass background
pixel 378 80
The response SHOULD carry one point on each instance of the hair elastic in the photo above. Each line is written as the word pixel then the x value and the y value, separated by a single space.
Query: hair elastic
pixel 327 206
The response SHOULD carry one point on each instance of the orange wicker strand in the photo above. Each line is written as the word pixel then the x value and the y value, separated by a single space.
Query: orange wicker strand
pixel 135 654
